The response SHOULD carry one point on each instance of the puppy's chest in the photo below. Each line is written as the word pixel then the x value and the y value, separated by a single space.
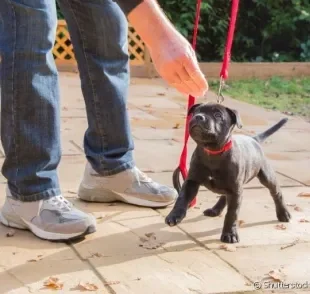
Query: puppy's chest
pixel 215 182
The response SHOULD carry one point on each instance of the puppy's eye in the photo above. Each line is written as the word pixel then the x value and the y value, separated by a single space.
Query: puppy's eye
pixel 218 115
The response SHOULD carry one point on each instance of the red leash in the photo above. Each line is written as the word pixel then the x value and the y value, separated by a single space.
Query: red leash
pixel 182 168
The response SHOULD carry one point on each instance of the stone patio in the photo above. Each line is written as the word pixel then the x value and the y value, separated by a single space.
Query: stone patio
pixel 124 256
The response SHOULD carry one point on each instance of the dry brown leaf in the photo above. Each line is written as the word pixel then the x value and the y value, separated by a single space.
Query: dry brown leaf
pixel 304 194
pixel 39 256
pixel 297 208
pixel 277 275
pixel 161 94
pixel 10 233
pixel 150 235
pixel 32 260
pixel 290 245
pixel 241 223
pixel 303 220
pixel 230 248
pixel 177 126
pixel 148 105
pixel 280 227
pixel 87 287
pixel 53 283
pixel 149 241
pixel 152 127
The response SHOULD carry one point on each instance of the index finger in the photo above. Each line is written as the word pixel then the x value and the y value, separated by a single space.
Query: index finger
pixel 193 70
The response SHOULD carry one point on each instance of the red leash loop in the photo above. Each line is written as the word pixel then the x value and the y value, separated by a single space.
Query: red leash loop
pixel 223 75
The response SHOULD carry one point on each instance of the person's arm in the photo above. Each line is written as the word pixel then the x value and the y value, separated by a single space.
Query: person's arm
pixel 171 53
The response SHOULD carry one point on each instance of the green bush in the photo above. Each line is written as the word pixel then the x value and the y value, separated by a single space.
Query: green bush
pixel 267 30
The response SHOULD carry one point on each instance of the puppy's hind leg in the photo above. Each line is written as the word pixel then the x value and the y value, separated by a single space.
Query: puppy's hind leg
pixel 267 177
pixel 217 209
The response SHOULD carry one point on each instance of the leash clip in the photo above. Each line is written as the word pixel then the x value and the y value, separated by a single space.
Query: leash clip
pixel 220 97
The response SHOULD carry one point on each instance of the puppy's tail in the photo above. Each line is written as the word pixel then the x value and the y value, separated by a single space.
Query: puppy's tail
pixel 176 180
pixel 263 136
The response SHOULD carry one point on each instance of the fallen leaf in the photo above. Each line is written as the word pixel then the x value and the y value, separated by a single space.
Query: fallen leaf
pixel 32 260
pixel 39 256
pixel 297 208
pixel 280 227
pixel 150 235
pixel 277 275
pixel 241 223
pixel 112 283
pixel 161 94
pixel 53 283
pixel 177 126
pixel 149 241
pixel 230 248
pixel 304 194
pixel 303 220
pixel 148 105
pixel 153 127
pixel 10 233
pixel 87 287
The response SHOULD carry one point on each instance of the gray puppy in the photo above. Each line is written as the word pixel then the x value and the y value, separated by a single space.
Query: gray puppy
pixel 223 163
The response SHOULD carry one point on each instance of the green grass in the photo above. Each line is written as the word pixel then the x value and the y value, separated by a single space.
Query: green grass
pixel 291 96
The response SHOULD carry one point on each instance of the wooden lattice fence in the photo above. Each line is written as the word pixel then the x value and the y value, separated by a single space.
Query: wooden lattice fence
pixel 63 49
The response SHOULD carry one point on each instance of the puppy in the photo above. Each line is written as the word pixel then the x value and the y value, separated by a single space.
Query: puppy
pixel 223 163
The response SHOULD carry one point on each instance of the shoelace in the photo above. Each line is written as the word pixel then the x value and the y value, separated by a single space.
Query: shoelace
pixel 60 202
pixel 141 176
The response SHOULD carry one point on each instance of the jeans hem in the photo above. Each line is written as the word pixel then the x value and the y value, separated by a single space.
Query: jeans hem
pixel 119 169
pixel 45 195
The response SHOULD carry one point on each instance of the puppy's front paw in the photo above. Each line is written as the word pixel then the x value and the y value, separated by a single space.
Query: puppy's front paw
pixel 212 212
pixel 175 217
pixel 283 215
pixel 230 237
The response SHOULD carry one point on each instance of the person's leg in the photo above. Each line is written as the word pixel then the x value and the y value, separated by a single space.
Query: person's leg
pixel 30 122
pixel 98 30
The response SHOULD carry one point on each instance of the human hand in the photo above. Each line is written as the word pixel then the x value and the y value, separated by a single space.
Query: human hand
pixel 176 62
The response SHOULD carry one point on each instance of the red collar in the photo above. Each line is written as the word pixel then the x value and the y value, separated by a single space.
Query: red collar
pixel 226 147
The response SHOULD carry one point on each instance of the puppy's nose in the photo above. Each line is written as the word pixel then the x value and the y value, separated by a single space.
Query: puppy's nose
pixel 200 117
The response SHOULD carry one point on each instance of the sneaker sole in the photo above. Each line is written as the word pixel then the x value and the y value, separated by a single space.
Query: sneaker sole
pixel 107 196
pixel 43 234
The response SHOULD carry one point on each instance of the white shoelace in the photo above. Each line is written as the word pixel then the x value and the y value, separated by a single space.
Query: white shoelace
pixel 141 176
pixel 60 202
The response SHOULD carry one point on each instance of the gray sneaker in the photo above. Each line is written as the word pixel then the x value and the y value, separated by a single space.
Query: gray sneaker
pixel 54 219
pixel 130 186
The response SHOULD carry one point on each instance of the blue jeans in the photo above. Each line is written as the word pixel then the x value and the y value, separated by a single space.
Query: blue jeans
pixel 30 114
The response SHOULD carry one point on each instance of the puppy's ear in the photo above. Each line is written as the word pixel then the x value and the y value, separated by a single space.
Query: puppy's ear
pixel 235 117
pixel 193 108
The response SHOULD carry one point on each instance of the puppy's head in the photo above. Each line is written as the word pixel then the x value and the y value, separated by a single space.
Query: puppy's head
pixel 211 124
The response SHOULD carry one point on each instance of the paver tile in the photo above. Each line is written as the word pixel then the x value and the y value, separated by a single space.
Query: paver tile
pixel 171 272
pixel 259 216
